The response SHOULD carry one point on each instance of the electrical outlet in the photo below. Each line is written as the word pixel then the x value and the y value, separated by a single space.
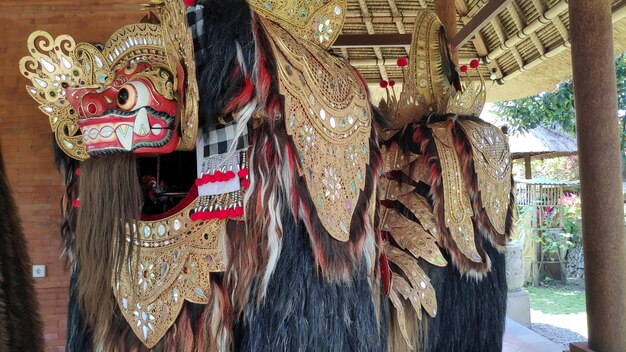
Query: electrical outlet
pixel 39 271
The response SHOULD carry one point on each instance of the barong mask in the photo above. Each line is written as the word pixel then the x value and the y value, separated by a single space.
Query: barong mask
pixel 137 94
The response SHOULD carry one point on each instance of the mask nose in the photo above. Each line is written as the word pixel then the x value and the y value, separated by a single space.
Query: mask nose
pixel 92 102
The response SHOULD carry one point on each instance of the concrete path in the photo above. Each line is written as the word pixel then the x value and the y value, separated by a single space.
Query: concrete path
pixel 518 338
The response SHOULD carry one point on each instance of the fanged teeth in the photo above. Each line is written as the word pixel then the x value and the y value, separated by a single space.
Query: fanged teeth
pixel 142 125
pixel 124 134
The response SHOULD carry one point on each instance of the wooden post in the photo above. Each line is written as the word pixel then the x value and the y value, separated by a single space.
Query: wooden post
pixel 604 240
pixel 528 171
pixel 446 11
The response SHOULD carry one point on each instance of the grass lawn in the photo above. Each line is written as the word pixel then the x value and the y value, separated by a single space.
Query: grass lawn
pixel 554 298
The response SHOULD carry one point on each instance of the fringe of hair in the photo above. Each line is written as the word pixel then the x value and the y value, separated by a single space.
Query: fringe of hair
pixel 415 326
pixel 188 334
pixel 224 55
pixel 20 325
pixel 110 204
pixel 69 170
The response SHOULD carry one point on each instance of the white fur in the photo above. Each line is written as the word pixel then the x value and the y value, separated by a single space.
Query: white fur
pixel 275 227
pixel 369 244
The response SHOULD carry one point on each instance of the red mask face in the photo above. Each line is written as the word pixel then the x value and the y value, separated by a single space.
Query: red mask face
pixel 135 111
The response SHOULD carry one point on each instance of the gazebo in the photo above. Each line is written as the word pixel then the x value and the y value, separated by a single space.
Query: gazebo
pixel 526 46
pixel 540 143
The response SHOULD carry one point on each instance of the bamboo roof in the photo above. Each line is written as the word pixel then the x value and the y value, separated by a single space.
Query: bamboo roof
pixel 527 42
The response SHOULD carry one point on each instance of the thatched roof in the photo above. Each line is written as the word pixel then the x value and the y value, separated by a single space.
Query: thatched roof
pixel 527 43
pixel 541 142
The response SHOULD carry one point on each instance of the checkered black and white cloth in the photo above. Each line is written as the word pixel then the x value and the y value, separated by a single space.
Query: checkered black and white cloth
pixel 219 140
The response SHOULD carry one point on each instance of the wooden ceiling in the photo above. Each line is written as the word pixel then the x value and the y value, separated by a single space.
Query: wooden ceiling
pixel 526 42
pixel 515 38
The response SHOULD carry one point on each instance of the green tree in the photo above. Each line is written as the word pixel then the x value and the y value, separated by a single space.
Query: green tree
pixel 556 108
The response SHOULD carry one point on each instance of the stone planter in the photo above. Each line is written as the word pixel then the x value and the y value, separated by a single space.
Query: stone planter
pixel 514 257
pixel 518 302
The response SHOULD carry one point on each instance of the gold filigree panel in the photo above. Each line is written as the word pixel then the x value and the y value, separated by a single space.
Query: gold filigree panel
pixel 422 211
pixel 392 189
pixel 417 171
pixel 470 101
pixel 318 21
pixel 51 66
pixel 328 116
pixel 416 288
pixel 492 161
pixel 419 242
pixel 394 158
pixel 457 206
pixel 175 259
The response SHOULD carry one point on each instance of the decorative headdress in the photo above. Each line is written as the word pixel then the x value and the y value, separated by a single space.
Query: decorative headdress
pixel 449 148
pixel 319 21
pixel 431 83
pixel 58 65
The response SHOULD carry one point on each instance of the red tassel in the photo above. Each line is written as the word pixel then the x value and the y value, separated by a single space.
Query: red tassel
pixel 245 184
pixel 474 63
pixel 189 2
pixel 75 203
pixel 243 173
pixel 77 172
pixel 383 84
pixel 385 274
pixel 388 203
pixel 463 68
pixel 402 62
pixel 392 83
pixel 218 176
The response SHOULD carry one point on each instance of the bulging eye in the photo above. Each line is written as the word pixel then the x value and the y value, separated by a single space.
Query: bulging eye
pixel 127 97
pixel 133 96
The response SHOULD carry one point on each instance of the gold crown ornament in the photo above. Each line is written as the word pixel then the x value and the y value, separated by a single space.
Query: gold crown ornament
pixel 319 21
pixel 58 66
pixel 431 81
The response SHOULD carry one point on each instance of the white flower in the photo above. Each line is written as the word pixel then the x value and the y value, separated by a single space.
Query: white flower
pixel 331 181
pixel 323 30
pixel 145 275
pixel 144 321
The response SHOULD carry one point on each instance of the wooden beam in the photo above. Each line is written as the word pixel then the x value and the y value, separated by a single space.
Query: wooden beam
pixel 480 20
pixel 372 40
pixel 407 17
pixel 370 30
pixel 480 44
pixel 446 11
pixel 391 61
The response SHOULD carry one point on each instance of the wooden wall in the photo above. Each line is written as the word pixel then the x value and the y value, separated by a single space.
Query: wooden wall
pixel 25 134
